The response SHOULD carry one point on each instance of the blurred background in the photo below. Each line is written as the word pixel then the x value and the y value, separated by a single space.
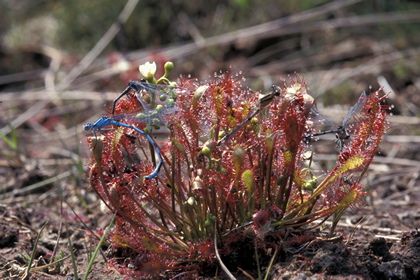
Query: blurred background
pixel 63 62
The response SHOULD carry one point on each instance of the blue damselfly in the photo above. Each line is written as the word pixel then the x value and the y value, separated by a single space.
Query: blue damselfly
pixel 105 121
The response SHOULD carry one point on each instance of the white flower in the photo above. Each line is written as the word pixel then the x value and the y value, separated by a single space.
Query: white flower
pixel 148 70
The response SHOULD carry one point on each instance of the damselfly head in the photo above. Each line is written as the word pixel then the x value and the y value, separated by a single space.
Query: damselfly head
pixel 341 138
pixel 88 127
pixel 266 99
pixel 342 134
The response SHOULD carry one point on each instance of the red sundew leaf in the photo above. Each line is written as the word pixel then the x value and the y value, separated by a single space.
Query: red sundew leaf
pixel 119 240
pixel 292 124
pixel 128 105
pixel 150 245
pixel 371 126
pixel 225 100
pixel 218 96
pixel 98 184
pixel 154 267
pixel 346 194
pixel 228 82
pixel 358 193
pixel 204 249
pixel 299 239
pixel 190 121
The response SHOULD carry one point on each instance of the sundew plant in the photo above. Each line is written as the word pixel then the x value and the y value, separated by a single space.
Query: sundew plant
pixel 254 189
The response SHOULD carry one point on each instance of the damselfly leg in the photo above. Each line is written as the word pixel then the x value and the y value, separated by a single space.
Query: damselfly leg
pixel 133 86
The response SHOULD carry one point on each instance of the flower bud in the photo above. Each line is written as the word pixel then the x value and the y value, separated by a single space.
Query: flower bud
pixel 97 143
pixel 169 66
pixel 269 140
pixel 206 151
pixel 248 179
pixel 238 158
pixel 178 145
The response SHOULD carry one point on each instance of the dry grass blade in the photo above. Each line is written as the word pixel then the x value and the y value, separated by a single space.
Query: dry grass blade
pixel 27 274
pixel 222 265
pixel 100 46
